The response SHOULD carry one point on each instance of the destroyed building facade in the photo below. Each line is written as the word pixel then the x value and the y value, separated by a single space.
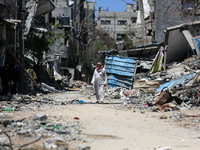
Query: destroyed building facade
pixel 21 18
pixel 115 23
pixel 176 25
pixel 162 23
pixel 77 19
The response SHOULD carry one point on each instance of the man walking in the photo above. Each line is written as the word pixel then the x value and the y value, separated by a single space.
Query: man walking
pixel 99 80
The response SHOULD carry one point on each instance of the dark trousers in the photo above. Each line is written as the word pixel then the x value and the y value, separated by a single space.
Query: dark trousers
pixel 5 83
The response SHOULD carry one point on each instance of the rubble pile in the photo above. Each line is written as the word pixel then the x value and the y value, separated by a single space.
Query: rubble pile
pixel 181 80
pixel 187 120
pixel 177 88
pixel 52 130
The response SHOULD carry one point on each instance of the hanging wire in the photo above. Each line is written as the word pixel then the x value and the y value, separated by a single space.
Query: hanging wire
pixel 4 146
pixel 30 143
pixel 9 145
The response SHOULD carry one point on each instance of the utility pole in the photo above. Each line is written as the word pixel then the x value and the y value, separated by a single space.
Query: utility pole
pixel 15 40
pixel 75 30
pixel 21 41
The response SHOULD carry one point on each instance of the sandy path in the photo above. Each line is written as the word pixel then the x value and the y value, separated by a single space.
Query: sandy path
pixel 106 128
pixel 112 129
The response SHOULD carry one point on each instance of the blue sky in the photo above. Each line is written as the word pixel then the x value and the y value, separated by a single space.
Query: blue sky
pixel 113 5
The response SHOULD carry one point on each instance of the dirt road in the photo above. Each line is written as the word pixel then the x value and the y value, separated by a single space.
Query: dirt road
pixel 110 128
pixel 113 127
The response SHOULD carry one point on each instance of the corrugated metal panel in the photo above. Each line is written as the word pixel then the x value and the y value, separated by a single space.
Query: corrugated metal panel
pixel 198 44
pixel 124 66
pixel 182 80
pixel 121 70
pixel 119 81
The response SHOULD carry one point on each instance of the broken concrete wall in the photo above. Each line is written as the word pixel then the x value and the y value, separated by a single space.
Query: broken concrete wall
pixel 169 13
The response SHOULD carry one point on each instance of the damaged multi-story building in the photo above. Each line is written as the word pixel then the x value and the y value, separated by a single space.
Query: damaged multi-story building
pixel 154 25
pixel 21 18
pixel 11 33
pixel 172 24
pixel 17 20
pixel 177 24
pixel 115 23
pixel 135 24
pixel 76 17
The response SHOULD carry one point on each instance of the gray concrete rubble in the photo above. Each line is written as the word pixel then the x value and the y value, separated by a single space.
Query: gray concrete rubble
pixel 181 81
pixel 147 88
pixel 49 88
pixel 39 126
pixel 162 91
pixel 163 148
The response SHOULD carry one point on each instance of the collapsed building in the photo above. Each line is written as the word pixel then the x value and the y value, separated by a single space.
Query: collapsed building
pixel 139 82
pixel 170 39
pixel 23 25
pixel 154 36
pixel 158 32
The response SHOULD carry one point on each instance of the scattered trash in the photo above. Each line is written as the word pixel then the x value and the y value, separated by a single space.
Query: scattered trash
pixel 192 115
pixel 9 109
pixel 163 117
pixel 171 90
pixel 76 118
pixel 163 148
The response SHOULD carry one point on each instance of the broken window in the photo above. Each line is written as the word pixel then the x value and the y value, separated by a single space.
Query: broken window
pixel 133 19
pixel 121 22
pixel 120 36
pixel 188 4
pixel 191 7
pixel 106 22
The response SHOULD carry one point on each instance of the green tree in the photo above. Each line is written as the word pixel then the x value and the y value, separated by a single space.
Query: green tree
pixel 37 42
pixel 36 45
pixel 129 35
pixel 55 34
pixel 90 58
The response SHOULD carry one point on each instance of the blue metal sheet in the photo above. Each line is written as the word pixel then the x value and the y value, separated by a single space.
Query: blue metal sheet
pixel 124 66
pixel 183 80
pixel 121 70
pixel 119 81
pixel 198 43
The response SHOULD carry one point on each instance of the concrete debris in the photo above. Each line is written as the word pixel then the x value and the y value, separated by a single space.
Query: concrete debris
pixel 172 90
pixel 40 116
pixel 84 148
pixel 192 120
pixel 181 82
pixel 54 143
pixel 163 148
pixel 52 89
pixel 163 117
pixel 35 127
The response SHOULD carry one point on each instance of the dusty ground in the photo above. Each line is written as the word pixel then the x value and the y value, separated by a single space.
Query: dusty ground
pixel 109 127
